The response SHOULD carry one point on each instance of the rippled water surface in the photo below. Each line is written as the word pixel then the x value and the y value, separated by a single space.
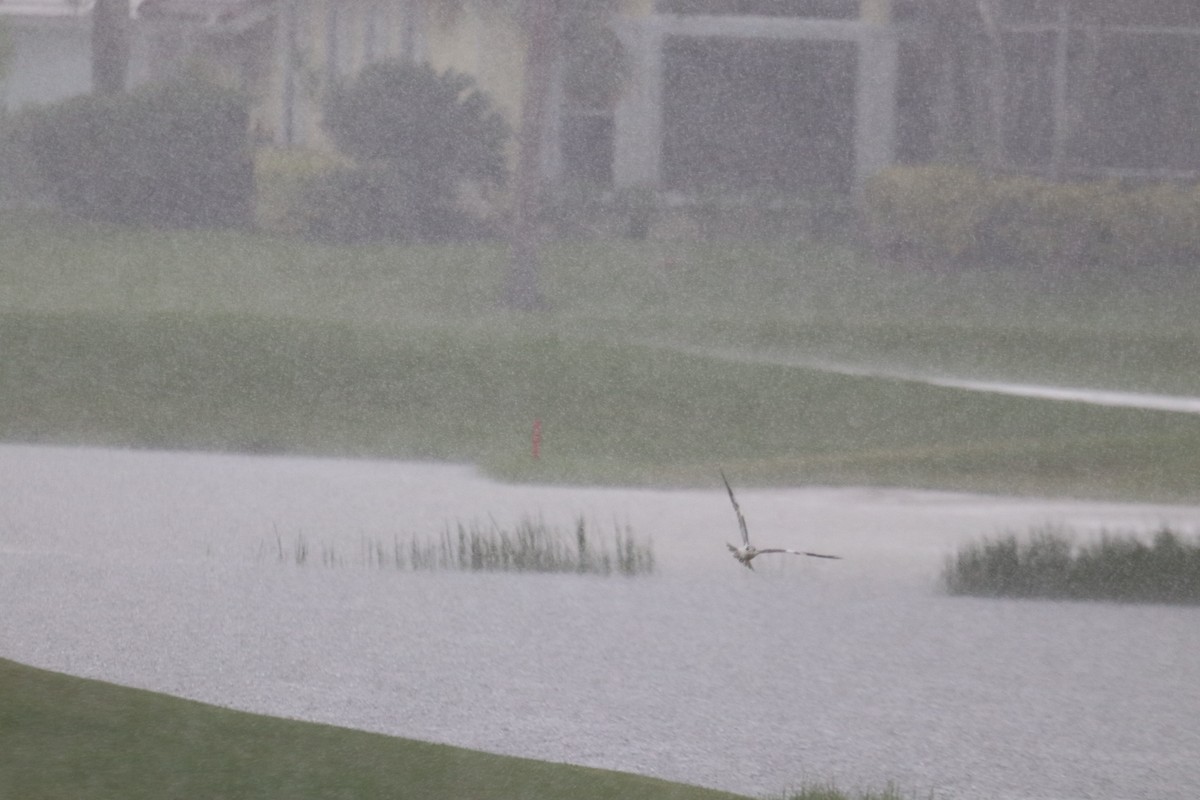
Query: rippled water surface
pixel 160 571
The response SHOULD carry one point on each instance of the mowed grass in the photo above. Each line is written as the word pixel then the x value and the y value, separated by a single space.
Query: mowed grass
pixel 63 736
pixel 233 341
pixel 1133 330
pixel 69 737
pixel 609 412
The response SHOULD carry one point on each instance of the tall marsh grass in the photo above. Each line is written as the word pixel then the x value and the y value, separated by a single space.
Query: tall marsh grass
pixel 1119 567
pixel 529 546
pixel 831 791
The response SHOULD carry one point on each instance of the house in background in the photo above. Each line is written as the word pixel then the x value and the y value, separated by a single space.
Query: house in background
pixel 1083 88
pixel 788 95
pixel 284 53
pixel 231 39
pixel 49 51
pixel 803 95
pixel 50 44
pixel 791 96
pixel 317 43
pixel 734 94
pixel 676 123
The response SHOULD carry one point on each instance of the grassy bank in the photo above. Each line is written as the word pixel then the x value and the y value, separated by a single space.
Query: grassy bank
pixel 1048 564
pixel 68 737
pixel 610 412
pixel 241 342
pixel 62 736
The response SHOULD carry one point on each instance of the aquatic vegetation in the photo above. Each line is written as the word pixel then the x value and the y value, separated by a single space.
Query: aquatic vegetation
pixel 529 546
pixel 1119 566
pixel 830 791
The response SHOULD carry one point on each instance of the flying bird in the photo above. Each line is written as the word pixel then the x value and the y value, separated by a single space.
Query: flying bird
pixel 747 552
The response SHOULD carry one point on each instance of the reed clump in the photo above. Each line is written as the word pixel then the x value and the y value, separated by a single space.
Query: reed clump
pixel 831 791
pixel 529 546
pixel 1118 567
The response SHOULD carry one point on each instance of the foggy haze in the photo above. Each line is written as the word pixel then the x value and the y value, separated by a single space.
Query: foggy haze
pixel 288 286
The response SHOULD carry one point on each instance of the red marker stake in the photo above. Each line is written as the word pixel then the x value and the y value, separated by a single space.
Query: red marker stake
pixel 537 438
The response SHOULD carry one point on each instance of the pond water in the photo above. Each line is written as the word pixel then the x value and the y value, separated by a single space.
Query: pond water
pixel 160 570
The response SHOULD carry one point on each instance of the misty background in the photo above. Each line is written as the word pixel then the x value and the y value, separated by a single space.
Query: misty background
pixel 306 304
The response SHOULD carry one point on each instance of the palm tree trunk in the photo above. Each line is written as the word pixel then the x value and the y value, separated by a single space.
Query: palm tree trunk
pixel 110 46
pixel 995 76
pixel 522 290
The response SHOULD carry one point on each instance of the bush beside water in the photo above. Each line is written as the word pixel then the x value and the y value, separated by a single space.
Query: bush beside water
pixel 531 546
pixel 1047 564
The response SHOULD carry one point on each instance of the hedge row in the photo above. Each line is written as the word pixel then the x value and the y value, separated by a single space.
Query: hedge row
pixel 960 215
pixel 327 197
pixel 170 154
pixel 415 147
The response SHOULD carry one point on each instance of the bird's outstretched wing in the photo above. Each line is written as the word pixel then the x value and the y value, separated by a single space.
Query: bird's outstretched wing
pixel 798 553
pixel 737 509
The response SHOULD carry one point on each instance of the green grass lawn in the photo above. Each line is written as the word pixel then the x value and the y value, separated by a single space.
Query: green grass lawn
pixel 62 736
pixel 238 342
pixel 609 412
pixel 68 737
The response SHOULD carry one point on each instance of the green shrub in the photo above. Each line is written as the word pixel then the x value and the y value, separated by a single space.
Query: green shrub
pixel 1032 221
pixel 417 138
pixel 577 210
pixel 326 196
pixel 1117 567
pixel 637 206
pixel 20 182
pixel 173 154
pixel 957 215
pixel 281 178
pixel 81 148
pixel 362 204
pixel 935 211
pixel 1158 223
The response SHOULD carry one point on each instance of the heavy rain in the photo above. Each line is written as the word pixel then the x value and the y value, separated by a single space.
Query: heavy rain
pixel 376 377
